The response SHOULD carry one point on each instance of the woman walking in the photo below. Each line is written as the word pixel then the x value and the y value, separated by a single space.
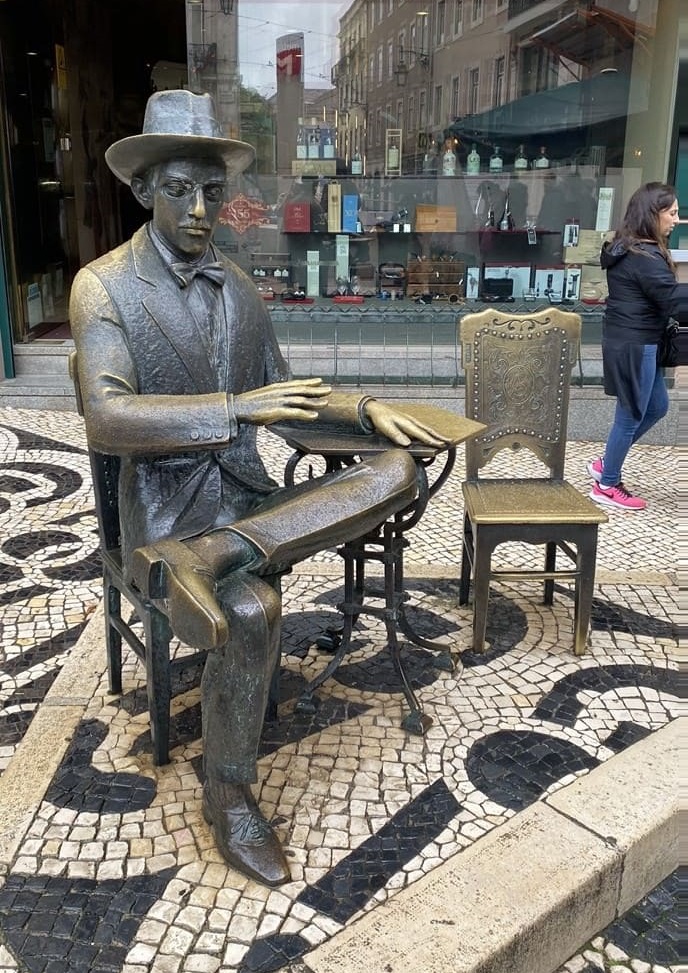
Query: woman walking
pixel 643 295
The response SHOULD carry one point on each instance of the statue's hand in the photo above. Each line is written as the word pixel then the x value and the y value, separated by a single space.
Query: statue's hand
pixel 299 399
pixel 401 428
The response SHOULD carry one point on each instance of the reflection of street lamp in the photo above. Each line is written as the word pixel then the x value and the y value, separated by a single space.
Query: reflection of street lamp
pixel 402 68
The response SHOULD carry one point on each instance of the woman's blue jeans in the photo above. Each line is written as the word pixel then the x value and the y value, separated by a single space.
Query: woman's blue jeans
pixel 626 430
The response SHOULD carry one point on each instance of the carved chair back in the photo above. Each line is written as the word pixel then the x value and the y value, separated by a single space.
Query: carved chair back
pixel 518 373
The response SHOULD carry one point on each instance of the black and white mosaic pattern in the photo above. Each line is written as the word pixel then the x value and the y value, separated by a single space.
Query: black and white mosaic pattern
pixel 118 871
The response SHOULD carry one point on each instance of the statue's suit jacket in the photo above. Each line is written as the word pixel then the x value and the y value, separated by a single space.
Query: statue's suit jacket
pixel 152 395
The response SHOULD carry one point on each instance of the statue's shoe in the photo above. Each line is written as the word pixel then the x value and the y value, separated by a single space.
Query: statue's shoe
pixel 169 570
pixel 245 839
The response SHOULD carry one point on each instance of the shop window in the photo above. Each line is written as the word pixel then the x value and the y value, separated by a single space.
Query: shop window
pixel 411 114
pixel 439 23
pixel 458 17
pixel 454 107
pixel 498 94
pixel 473 91
pixel 437 105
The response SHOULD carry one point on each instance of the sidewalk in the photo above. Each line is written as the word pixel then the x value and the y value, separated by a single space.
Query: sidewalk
pixel 404 850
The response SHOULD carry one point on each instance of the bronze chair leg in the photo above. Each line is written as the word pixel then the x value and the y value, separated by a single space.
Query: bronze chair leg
pixel 482 563
pixel 113 640
pixel 585 583
pixel 466 561
pixel 550 565
pixel 158 635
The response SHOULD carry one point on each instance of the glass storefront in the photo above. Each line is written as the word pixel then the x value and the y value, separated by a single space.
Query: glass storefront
pixel 419 151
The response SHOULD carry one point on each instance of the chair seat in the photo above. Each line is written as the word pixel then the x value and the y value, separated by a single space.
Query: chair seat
pixel 528 501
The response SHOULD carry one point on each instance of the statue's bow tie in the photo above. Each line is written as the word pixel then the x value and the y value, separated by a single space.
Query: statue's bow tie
pixel 184 273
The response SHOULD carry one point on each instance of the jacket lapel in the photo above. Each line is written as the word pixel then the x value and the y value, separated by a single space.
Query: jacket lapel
pixel 166 306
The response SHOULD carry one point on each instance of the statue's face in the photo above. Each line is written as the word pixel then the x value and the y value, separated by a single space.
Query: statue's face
pixel 187 197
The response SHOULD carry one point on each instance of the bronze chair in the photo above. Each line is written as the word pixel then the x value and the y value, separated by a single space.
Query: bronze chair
pixel 154 650
pixel 518 370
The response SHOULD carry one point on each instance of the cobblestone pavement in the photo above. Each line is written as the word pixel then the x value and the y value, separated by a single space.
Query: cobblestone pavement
pixel 118 871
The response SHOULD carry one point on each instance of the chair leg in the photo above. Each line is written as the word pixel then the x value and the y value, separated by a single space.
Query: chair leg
pixel 550 565
pixel 466 558
pixel 113 640
pixel 481 589
pixel 157 636
pixel 585 585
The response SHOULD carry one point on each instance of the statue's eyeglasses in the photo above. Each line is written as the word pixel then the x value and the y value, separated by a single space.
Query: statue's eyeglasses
pixel 213 192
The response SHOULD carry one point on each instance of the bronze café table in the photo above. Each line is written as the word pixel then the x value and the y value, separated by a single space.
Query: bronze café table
pixel 339 447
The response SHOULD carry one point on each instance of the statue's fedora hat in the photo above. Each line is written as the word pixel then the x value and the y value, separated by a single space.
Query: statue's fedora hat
pixel 177 124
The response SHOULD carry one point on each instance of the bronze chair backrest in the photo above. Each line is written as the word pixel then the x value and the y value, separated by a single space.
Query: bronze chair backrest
pixel 518 375
pixel 105 476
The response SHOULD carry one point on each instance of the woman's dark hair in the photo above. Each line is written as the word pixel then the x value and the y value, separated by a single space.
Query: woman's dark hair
pixel 641 221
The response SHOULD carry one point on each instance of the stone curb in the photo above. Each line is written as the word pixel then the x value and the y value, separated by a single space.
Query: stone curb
pixel 38 755
pixel 528 895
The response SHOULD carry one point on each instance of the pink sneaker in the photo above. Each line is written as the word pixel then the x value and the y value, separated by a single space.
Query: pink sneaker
pixel 616 496
pixel 595 468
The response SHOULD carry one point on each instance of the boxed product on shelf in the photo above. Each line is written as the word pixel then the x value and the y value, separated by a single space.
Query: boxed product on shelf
pixel 314 167
pixel 350 214
pixel 472 283
pixel 342 255
pixel 431 218
pixel 313 273
pixel 572 282
pixel 519 274
pixel 297 217
pixel 549 283
pixel 334 207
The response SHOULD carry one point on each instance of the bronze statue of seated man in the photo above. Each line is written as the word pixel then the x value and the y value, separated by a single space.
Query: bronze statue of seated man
pixel 178 365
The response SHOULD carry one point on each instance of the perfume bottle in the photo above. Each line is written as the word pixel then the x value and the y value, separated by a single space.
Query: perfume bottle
pixel 448 160
pixel 542 162
pixel 496 161
pixel 357 164
pixel 521 162
pixel 473 162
